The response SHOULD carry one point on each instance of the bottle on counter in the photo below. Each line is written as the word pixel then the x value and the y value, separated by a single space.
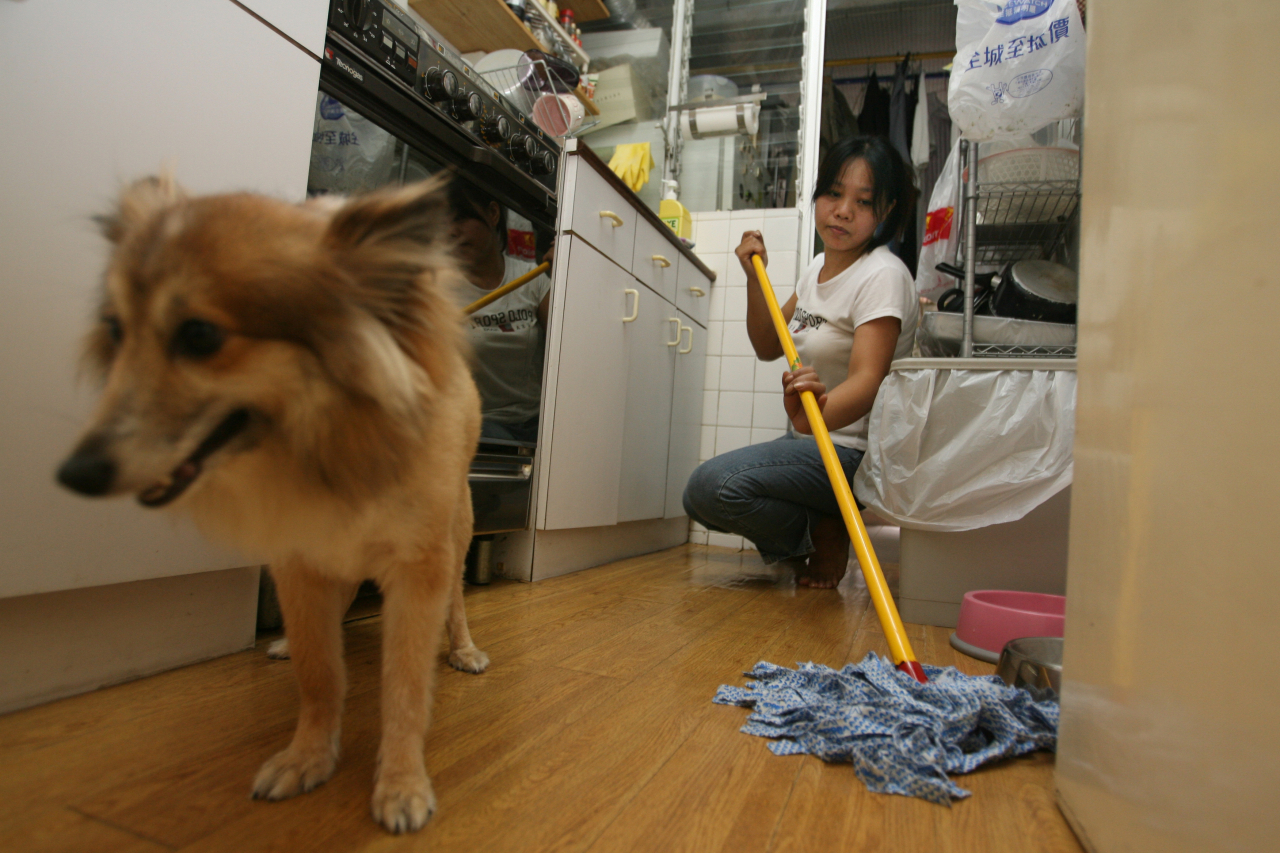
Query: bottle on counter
pixel 566 19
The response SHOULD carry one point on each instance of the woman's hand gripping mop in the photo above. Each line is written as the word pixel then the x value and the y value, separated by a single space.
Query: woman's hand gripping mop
pixel 904 727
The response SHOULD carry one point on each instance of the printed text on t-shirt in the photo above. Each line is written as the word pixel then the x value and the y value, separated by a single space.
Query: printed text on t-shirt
pixel 802 320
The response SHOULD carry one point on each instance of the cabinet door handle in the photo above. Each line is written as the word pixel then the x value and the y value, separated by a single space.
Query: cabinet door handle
pixel 697 291
pixel 609 214
pixel 635 310
pixel 675 320
pixel 689 348
pixel 658 259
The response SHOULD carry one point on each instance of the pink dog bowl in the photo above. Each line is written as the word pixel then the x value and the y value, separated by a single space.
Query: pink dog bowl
pixel 989 618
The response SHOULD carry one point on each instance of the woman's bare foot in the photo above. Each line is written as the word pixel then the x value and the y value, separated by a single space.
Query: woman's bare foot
pixel 830 555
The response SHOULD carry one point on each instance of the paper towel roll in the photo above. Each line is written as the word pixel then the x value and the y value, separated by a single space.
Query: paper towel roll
pixel 725 120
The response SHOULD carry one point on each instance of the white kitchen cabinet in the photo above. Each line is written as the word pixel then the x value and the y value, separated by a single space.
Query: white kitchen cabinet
pixel 652 339
pixel 655 261
pixel 693 292
pixel 686 413
pixel 581 439
pixel 622 397
pixel 601 216
pixel 151 87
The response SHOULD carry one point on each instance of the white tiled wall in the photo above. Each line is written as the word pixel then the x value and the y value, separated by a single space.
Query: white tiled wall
pixel 742 402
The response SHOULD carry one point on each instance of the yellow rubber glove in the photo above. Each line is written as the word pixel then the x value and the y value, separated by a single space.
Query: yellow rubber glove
pixel 632 163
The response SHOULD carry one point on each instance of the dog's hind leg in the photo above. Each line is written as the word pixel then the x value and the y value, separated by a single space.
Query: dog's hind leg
pixel 415 601
pixel 312 606
pixel 463 653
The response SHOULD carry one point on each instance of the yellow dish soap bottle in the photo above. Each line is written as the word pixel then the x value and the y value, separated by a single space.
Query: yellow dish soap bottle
pixel 673 213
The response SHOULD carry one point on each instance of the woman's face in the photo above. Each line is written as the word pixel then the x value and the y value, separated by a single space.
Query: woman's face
pixel 474 238
pixel 845 215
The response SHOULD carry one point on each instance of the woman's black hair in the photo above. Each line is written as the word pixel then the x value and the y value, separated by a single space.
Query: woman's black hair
pixel 894 192
pixel 467 201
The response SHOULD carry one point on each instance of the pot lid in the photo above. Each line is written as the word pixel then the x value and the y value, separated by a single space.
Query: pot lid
pixel 1050 281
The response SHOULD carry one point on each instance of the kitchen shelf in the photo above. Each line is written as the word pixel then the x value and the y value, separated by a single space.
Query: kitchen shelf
pixel 488 25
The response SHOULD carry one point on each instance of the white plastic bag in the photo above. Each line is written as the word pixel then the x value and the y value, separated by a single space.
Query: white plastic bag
pixel 958 449
pixel 1025 70
pixel 349 153
pixel 941 230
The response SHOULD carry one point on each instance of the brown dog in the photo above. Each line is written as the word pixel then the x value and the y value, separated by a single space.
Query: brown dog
pixel 295 377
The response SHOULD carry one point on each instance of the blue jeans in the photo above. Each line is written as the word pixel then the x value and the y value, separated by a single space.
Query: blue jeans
pixel 771 493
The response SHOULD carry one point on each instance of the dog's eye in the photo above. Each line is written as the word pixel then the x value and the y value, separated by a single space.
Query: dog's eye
pixel 114 330
pixel 197 338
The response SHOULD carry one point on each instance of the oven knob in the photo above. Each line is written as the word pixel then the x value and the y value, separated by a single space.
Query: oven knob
pixel 543 163
pixel 467 105
pixel 523 147
pixel 496 129
pixel 353 12
pixel 440 85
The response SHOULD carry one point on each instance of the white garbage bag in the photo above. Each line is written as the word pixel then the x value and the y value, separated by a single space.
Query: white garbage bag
pixel 958 449
pixel 1019 66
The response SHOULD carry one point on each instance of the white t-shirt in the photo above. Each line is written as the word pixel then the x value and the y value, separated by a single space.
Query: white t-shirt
pixel 508 344
pixel 877 285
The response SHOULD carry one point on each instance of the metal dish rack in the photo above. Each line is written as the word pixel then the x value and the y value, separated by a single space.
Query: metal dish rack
pixel 509 82
pixel 1010 220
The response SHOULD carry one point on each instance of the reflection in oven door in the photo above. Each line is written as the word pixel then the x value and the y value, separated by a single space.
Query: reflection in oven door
pixel 501 485
pixel 351 153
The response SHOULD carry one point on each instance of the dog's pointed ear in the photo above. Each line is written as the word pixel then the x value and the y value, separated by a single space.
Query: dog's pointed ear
pixel 138 202
pixel 412 216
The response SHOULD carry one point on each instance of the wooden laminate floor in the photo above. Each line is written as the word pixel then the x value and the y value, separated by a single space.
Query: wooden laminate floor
pixel 593 730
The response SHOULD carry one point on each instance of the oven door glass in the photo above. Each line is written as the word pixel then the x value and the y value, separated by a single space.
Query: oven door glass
pixel 352 154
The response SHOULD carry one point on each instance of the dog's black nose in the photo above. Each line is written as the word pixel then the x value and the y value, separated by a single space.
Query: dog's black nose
pixel 88 473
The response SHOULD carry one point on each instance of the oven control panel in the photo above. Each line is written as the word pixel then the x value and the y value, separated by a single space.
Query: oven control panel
pixel 450 83
pixel 381 31
pixel 437 74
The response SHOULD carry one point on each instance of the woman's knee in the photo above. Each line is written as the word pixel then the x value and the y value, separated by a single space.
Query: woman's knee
pixel 700 491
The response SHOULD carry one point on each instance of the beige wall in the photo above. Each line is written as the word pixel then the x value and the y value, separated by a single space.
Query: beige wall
pixel 1171 709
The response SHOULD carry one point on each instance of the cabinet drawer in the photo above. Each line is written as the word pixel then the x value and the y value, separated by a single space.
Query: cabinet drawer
pixel 656 262
pixel 601 216
pixel 693 292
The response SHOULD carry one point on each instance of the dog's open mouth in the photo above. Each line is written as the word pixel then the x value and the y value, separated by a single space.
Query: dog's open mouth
pixel 185 474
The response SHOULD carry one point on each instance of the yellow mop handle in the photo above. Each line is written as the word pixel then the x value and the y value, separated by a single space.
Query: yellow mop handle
pixel 890 621
pixel 507 288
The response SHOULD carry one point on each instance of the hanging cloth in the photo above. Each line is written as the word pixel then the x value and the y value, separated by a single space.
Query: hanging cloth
pixel 873 120
pixel 900 113
pixel 920 129
pixel 838 120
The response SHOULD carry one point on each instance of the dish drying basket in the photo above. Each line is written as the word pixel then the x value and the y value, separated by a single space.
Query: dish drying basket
pixel 532 89
pixel 1016 205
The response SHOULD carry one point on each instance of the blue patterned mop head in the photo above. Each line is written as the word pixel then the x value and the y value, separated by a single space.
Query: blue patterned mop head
pixel 903 737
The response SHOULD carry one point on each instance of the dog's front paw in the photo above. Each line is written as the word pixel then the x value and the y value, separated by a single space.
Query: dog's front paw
pixel 403 803
pixel 279 650
pixel 470 659
pixel 293 771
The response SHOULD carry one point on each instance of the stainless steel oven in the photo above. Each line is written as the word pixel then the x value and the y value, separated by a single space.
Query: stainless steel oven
pixel 396 106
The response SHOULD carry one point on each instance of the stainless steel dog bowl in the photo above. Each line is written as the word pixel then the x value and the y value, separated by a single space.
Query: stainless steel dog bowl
pixel 1034 664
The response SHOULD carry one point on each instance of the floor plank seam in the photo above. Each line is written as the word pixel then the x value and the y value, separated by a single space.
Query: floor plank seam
pixel 622 807
pixel 119 827
pixel 782 812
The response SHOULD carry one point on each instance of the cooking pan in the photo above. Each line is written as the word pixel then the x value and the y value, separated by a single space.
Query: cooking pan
pixel 953 300
pixel 1036 290
pixel 1023 290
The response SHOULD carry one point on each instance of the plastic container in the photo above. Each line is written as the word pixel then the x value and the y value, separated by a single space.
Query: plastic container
pixel 989 618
